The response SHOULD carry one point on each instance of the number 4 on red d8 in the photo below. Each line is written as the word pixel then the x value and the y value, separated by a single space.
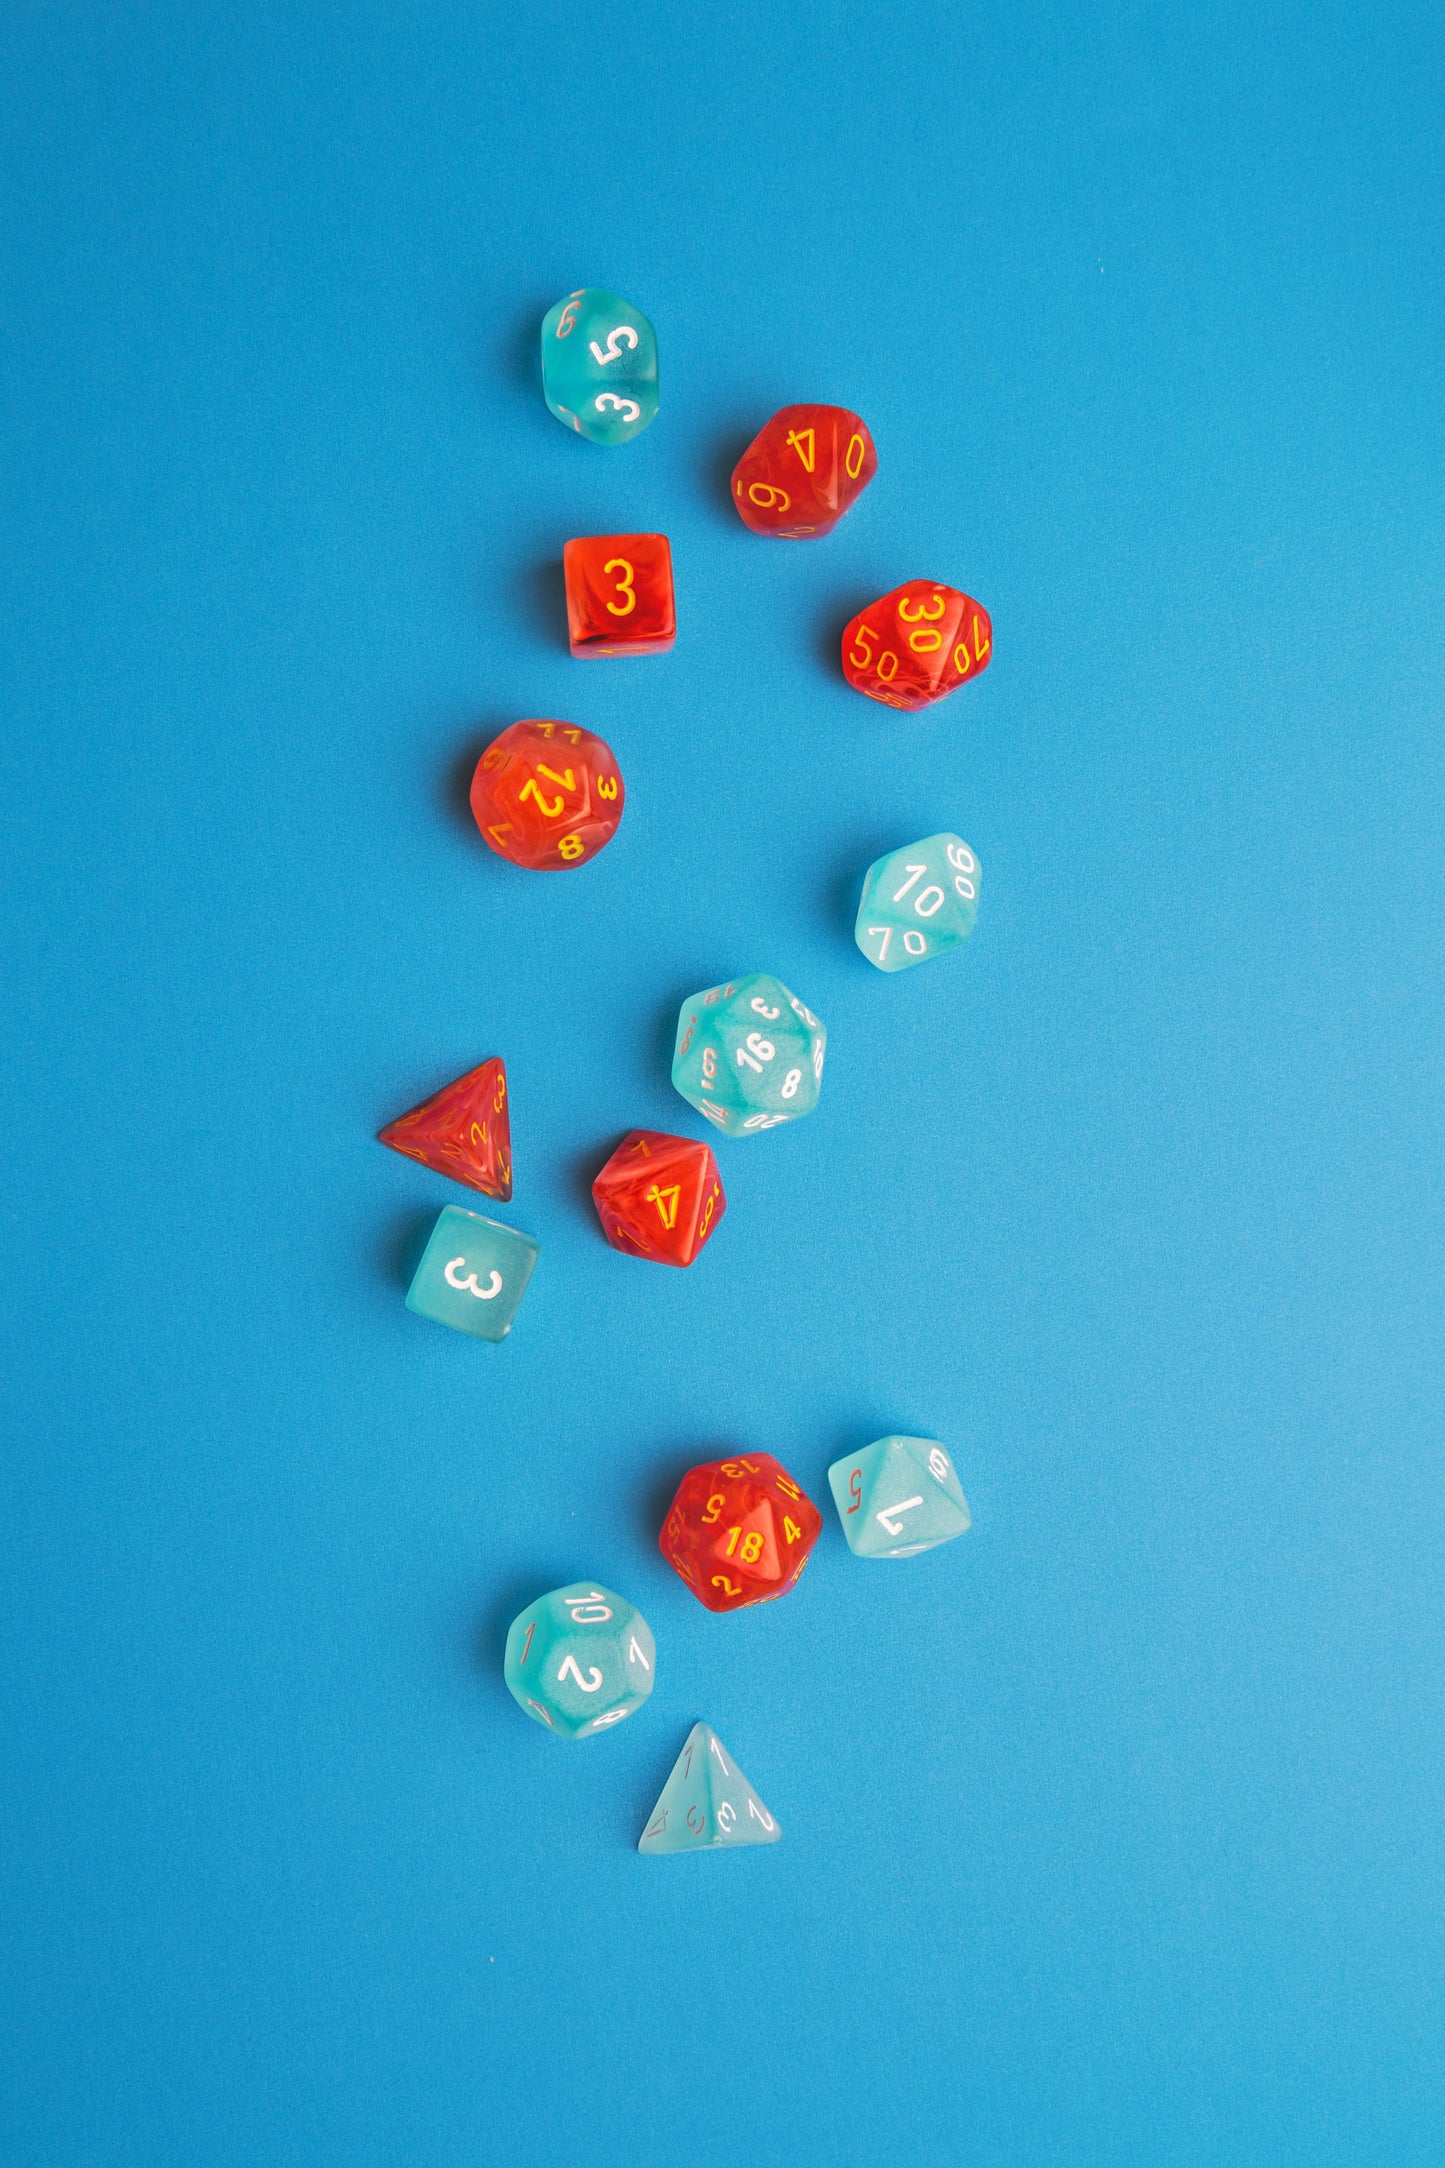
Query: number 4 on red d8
pixel 918 902
pixel 897 1497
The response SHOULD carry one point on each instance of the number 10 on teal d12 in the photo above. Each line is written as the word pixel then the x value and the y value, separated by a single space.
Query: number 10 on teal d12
pixel 473 1274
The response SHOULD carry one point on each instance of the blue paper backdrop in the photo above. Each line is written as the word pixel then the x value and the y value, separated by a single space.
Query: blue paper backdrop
pixel 1113 1831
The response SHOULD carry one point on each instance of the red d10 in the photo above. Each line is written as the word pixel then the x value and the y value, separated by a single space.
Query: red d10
pixel 739 1531
pixel 917 644
pixel 803 470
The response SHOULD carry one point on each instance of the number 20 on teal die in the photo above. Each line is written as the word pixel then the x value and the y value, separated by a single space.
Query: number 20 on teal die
pixel 918 902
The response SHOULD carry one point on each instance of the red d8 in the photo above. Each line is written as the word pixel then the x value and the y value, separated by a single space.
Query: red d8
pixel 547 795
pixel 913 646
pixel 739 1531
pixel 619 594
pixel 659 1196
pixel 803 470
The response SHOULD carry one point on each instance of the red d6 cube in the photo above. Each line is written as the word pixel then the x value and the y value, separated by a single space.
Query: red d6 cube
pixel 659 1196
pixel 914 645
pixel 803 470
pixel 739 1531
pixel 619 594
pixel 547 795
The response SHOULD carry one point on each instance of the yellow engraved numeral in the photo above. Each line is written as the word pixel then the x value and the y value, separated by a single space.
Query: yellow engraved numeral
pixel 607 786
pixel 797 438
pixel 910 616
pixel 666 1202
pixel 715 1505
pixel 767 498
pixel 571 847
pixel 851 467
pixel 529 790
pixel 563 781
pixel 628 602
pixel 791 1529
pixel 788 1487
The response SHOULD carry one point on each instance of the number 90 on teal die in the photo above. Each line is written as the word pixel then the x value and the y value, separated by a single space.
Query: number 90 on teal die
pixel 473 1274
pixel 599 365
pixel 918 902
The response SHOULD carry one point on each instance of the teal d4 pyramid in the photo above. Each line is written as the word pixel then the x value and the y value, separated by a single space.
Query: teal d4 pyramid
pixel 706 1801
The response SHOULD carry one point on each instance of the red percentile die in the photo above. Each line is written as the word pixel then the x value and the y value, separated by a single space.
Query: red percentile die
pixel 462 1131
pixel 803 470
pixel 659 1196
pixel 739 1531
pixel 914 645
pixel 619 594
pixel 547 795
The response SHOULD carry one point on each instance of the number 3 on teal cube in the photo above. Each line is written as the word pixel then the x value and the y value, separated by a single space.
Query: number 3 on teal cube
pixel 473 1274
pixel 897 1497
pixel 918 902
pixel 599 365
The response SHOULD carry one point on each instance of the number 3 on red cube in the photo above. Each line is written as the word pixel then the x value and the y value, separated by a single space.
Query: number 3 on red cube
pixel 917 644
pixel 619 594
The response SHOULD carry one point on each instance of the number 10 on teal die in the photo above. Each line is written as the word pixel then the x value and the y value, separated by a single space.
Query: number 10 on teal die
pixel 918 902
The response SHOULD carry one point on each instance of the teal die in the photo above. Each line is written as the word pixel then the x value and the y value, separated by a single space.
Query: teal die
pixel 749 1055
pixel 580 1660
pixel 473 1274
pixel 706 1801
pixel 897 1497
pixel 917 902
pixel 599 365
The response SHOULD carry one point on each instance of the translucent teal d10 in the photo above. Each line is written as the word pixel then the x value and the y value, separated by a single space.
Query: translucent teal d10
pixel 749 1055
pixel 917 902
pixel 707 1800
pixel 473 1274
pixel 580 1660
pixel 599 365
pixel 897 1497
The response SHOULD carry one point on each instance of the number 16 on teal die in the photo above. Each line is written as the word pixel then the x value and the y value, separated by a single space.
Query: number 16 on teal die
pixel 473 1274
pixel 599 365
pixel 918 902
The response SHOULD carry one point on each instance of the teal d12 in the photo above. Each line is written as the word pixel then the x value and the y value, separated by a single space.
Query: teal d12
pixel 599 365
pixel 897 1497
pixel 580 1660
pixel 473 1274
pixel 918 902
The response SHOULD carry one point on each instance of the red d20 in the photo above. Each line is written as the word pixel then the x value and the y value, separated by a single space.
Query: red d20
pixel 739 1531
pixel 659 1196
pixel 918 643
pixel 803 470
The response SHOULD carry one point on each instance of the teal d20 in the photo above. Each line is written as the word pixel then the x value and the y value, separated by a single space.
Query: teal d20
pixel 580 1660
pixel 706 1801
pixel 473 1274
pixel 599 365
pixel 897 1497
pixel 918 902
pixel 749 1055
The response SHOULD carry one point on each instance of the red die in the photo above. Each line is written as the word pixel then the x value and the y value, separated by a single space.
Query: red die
pixel 619 594
pixel 659 1196
pixel 739 1531
pixel 913 646
pixel 463 1131
pixel 547 795
pixel 803 470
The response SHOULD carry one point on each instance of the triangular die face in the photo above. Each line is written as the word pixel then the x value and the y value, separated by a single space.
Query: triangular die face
pixel 706 1802
pixel 904 1509
pixel 463 1131
pixel 749 1544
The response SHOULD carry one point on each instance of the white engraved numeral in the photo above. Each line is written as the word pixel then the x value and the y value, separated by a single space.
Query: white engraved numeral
pixel 915 873
pixel 755 1051
pixel 726 1816
pixel 624 332
pixel 791 1082
pixel 589 1610
pixel 468 1286
pixel 629 410
pixel 590 1684
pixel 895 1527
pixel 887 933
pixel 635 1655
pixel 938 1464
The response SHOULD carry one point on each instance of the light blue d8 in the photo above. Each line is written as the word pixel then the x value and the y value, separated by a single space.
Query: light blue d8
pixel 599 365
pixel 473 1274
pixel 917 902
pixel 897 1497
pixel 749 1055
pixel 580 1660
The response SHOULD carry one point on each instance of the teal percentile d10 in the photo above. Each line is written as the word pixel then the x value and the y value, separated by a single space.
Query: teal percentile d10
pixel 473 1274
pixel 918 902
pixel 749 1055
pixel 897 1497
pixel 580 1660
pixel 599 365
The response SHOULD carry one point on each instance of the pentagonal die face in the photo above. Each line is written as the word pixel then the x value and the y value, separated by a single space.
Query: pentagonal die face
pixel 547 795
pixel 898 1497
pixel 918 902
pixel 580 1660
pixel 659 1197
pixel 911 647
pixel 803 470
pixel 739 1531
pixel 599 365
pixel 749 1055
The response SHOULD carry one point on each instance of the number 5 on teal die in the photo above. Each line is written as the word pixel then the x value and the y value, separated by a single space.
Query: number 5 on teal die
pixel 897 1497
pixel 599 365
pixel 473 1274
pixel 918 902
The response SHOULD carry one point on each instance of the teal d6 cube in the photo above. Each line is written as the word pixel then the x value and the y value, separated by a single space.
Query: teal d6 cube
pixel 473 1274
pixel 749 1055
pixel 599 365
pixel 918 902
pixel 580 1660
pixel 897 1497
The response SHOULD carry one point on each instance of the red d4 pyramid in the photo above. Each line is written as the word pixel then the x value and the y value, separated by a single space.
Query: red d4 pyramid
pixel 462 1131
